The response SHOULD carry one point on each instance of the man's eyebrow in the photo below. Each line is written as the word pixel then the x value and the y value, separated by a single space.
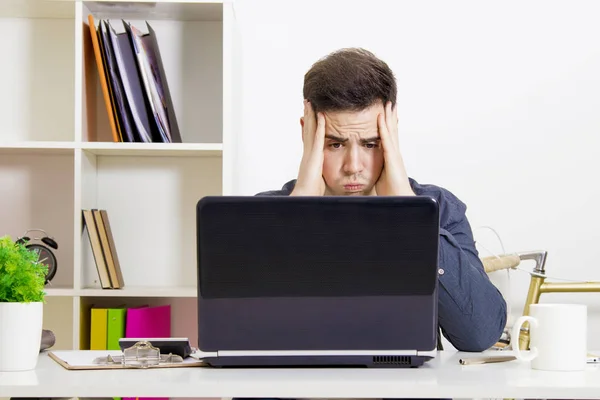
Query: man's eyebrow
pixel 342 140
pixel 336 138
pixel 370 139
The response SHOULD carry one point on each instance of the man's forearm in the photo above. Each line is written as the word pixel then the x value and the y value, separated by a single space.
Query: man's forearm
pixel 472 312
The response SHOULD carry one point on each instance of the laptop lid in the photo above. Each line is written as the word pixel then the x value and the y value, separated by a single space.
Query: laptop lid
pixel 317 273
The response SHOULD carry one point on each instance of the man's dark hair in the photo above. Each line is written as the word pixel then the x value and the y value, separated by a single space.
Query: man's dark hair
pixel 350 79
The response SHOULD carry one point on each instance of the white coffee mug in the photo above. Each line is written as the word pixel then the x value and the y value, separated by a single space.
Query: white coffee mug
pixel 558 337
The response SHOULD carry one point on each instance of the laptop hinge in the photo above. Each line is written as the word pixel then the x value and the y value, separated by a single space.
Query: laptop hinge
pixel 427 353
pixel 199 354
pixel 248 353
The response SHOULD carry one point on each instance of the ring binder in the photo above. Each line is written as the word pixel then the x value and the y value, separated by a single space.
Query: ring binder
pixel 140 355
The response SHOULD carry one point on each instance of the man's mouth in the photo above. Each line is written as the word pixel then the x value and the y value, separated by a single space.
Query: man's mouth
pixel 353 187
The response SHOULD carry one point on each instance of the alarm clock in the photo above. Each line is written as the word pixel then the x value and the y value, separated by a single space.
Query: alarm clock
pixel 44 247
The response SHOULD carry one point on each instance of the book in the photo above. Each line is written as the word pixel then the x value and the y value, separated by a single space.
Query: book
pixel 121 109
pixel 149 79
pixel 112 247
pixel 89 224
pixel 108 248
pixel 107 91
pixel 104 249
pixel 98 328
pixel 115 327
pixel 150 41
pixel 135 96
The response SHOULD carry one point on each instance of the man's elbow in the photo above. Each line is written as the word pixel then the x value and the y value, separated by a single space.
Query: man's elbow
pixel 479 344
pixel 486 332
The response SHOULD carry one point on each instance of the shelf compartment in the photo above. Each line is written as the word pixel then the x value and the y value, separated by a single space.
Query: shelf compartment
pixel 36 72
pixel 184 314
pixel 194 67
pixel 151 204
pixel 37 193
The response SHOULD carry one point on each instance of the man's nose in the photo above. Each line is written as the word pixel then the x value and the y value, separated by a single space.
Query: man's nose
pixel 352 163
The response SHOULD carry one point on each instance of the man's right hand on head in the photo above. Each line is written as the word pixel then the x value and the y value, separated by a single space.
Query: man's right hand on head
pixel 310 180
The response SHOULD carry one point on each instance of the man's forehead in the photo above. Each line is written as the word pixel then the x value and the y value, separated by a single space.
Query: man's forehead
pixel 348 129
pixel 362 122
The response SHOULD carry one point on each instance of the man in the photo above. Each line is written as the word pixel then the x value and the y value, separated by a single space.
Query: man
pixel 350 137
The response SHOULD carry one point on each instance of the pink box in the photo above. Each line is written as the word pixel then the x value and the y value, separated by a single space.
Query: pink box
pixel 148 322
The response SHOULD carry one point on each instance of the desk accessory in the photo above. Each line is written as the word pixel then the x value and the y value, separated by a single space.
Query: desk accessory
pixel 485 360
pixel 43 249
pixel 48 339
pixel 177 346
pixel 141 356
pixel 558 337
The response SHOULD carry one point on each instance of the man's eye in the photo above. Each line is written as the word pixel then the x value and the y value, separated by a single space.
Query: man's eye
pixel 371 145
pixel 336 145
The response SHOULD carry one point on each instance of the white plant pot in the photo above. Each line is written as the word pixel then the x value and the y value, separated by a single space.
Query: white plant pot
pixel 20 335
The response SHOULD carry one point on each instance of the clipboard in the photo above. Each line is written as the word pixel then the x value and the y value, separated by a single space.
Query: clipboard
pixel 140 356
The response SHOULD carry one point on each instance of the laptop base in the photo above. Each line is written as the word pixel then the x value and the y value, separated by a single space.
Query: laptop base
pixel 318 361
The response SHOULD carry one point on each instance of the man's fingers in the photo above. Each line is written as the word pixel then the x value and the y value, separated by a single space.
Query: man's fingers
pixel 395 122
pixel 389 113
pixel 390 120
pixel 384 134
pixel 311 121
pixel 320 132
pixel 305 110
pixel 310 112
pixel 309 126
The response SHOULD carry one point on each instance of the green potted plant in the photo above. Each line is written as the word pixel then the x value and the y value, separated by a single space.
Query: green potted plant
pixel 22 280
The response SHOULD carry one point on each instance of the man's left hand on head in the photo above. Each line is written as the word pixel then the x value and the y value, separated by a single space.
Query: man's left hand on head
pixel 393 180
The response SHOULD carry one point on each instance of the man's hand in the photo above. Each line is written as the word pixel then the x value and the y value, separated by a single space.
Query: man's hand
pixel 310 176
pixel 393 180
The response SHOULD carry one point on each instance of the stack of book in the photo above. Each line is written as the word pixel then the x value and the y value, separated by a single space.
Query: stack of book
pixel 134 84
pixel 103 248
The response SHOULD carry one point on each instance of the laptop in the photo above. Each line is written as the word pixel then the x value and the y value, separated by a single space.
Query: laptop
pixel 317 281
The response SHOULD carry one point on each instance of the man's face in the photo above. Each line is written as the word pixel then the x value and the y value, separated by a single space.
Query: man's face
pixel 353 157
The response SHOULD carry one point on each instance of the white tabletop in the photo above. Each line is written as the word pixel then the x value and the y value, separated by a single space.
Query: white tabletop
pixel 443 377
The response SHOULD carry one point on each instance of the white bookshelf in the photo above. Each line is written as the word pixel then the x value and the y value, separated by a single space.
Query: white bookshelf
pixel 57 156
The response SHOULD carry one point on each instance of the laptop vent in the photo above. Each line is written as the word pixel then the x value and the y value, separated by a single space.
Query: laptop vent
pixel 395 360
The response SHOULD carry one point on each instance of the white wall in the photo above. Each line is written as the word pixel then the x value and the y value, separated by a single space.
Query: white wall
pixel 498 101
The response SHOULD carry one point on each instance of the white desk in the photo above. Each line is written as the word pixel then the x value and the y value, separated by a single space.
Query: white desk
pixel 442 378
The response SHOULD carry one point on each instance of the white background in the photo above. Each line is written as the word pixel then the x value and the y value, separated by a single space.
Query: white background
pixel 498 101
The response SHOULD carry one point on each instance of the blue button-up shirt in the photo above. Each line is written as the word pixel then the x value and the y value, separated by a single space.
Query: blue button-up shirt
pixel 471 310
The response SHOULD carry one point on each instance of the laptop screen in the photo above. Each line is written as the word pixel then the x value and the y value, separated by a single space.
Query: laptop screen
pixel 316 246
